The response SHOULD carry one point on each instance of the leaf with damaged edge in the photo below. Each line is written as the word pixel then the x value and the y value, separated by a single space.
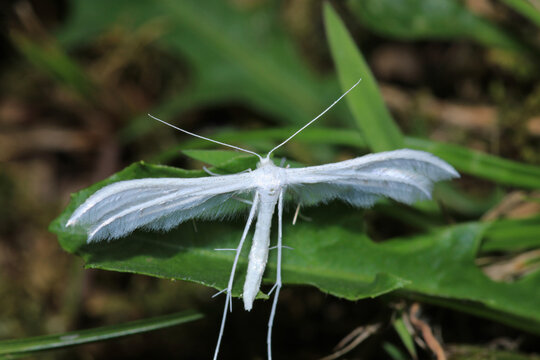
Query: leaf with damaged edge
pixel 333 253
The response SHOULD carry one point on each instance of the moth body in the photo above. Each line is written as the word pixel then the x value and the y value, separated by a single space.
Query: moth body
pixel 269 180
pixel 258 255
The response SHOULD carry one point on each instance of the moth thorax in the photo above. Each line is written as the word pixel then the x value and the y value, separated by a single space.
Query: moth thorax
pixel 269 178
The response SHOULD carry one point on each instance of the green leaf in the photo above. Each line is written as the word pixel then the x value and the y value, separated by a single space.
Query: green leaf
pixel 365 101
pixel 215 157
pixel 461 279
pixel 229 161
pixel 232 162
pixel 332 253
pixel 430 19
pixel 48 342
pixel 513 235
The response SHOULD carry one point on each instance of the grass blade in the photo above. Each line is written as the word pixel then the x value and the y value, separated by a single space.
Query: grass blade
pixel 48 342
pixel 525 8
pixel 365 102
pixel 479 164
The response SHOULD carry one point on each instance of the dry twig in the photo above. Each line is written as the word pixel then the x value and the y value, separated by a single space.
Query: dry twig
pixel 426 332
pixel 352 340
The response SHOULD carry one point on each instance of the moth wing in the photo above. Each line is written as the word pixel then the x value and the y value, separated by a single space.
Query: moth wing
pixel 158 204
pixel 403 175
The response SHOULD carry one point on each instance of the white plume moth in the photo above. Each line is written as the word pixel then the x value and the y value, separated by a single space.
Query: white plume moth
pixel 162 203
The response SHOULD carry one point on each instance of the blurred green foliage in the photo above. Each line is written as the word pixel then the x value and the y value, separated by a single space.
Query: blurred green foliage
pixel 433 19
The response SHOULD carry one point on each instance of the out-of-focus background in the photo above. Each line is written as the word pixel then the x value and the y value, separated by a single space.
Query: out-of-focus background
pixel 77 79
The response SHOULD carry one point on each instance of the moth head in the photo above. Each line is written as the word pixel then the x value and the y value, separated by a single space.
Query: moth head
pixel 264 162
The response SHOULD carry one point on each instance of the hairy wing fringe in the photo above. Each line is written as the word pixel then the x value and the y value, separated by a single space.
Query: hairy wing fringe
pixel 156 204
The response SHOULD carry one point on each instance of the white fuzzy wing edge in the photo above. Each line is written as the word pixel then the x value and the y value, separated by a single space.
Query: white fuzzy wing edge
pixel 404 175
pixel 157 204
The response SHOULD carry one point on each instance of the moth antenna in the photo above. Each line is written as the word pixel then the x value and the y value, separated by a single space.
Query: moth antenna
pixel 312 121
pixel 205 138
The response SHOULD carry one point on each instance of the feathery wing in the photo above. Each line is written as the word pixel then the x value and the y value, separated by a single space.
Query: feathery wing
pixel 158 204
pixel 403 175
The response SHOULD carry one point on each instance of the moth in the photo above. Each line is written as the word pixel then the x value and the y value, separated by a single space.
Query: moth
pixel 162 203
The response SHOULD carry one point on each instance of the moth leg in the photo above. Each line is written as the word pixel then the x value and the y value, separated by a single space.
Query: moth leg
pixel 219 293
pixel 272 248
pixel 296 214
pixel 228 301
pixel 277 285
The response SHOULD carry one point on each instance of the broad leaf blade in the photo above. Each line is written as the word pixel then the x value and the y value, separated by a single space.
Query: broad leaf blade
pixel 228 162
pixel 333 253
pixel 215 157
